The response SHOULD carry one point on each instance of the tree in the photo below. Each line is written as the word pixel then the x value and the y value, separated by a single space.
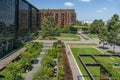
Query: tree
pixel 85 24
pixel 47 61
pixel 103 34
pixel 12 71
pixel 48 26
pixel 113 26
pixel 95 26
pixel 43 73
pixel 115 17
pixel 67 28
pixel 57 30
pixel 79 23
pixel 26 59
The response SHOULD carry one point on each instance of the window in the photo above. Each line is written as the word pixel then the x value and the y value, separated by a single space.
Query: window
pixel 23 19
pixel 7 20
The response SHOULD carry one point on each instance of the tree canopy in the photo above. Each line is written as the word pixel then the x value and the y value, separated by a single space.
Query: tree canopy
pixel 113 27
pixel 49 27
pixel 95 26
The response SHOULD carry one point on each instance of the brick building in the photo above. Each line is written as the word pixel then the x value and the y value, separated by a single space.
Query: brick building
pixel 61 16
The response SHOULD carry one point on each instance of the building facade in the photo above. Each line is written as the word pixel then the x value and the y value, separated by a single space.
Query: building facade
pixel 61 16
pixel 18 19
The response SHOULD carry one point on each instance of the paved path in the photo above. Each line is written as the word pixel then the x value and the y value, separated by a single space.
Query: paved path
pixel 77 75
pixel 47 45
pixel 96 40
pixel 10 57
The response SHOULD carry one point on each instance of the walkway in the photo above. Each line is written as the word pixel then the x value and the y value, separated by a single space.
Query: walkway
pixel 77 75
pixel 96 41
pixel 7 59
pixel 47 45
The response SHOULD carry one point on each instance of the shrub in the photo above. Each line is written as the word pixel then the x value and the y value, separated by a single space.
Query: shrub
pixel 73 30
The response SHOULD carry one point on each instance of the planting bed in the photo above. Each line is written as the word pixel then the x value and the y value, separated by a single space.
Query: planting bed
pixel 97 62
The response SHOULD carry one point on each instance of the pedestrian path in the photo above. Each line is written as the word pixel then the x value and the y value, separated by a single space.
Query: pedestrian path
pixel 77 75
pixel 83 37
pixel 46 45
pixel 96 41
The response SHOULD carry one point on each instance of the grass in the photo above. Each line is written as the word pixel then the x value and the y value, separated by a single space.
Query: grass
pixel 95 72
pixel 85 51
pixel 83 44
pixel 80 27
pixel 67 35
pixel 107 62
pixel 77 51
pixel 92 35
pixel 88 60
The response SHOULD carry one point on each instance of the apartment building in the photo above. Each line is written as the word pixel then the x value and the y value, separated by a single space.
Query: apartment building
pixel 61 16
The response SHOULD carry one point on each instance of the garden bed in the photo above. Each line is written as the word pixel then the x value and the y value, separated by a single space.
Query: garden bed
pixel 17 69
pixel 68 36
pixel 92 35
pixel 106 62
pixel 67 69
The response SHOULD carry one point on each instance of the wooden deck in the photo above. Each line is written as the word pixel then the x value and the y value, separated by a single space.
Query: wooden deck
pixel 7 59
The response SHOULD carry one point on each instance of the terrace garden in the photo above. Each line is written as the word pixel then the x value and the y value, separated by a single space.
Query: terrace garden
pixel 83 44
pixel 100 67
pixel 92 35
pixel 47 72
pixel 18 69
pixel 68 36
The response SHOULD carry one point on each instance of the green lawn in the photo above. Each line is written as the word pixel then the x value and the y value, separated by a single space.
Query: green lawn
pixel 80 27
pixel 107 62
pixel 83 44
pixel 67 35
pixel 88 60
pixel 95 71
pixel 92 35
pixel 77 51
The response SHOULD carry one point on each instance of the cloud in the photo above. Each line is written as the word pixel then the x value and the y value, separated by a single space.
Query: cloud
pixel 69 4
pixel 102 10
pixel 85 0
pixel 99 11
pixel 105 8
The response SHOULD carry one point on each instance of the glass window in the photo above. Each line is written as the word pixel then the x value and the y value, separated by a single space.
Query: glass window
pixel 23 19
pixel 34 19
pixel 7 20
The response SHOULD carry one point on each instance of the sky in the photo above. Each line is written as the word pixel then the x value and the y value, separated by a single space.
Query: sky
pixel 86 10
